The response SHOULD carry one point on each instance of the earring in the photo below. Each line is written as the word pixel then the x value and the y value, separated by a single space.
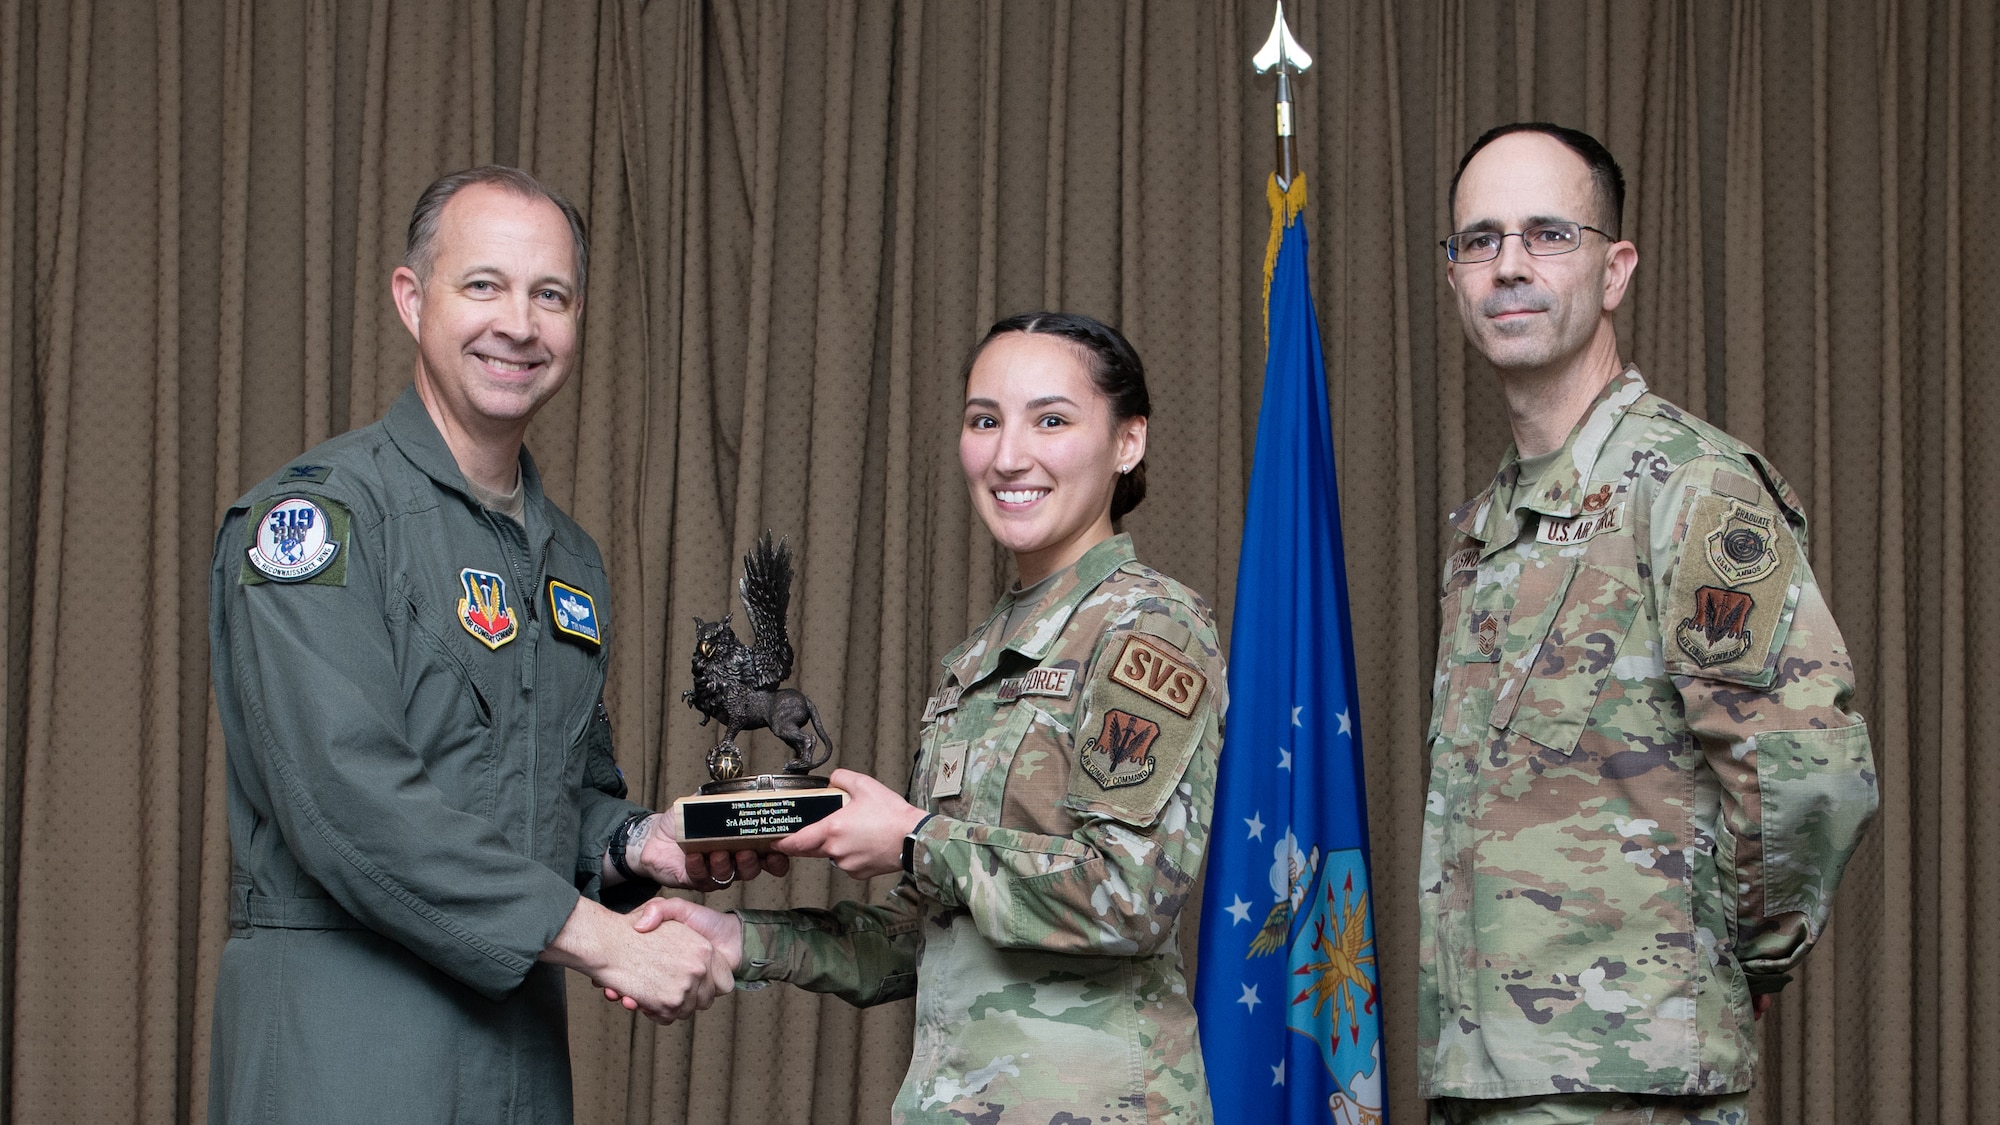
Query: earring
pixel 1123 469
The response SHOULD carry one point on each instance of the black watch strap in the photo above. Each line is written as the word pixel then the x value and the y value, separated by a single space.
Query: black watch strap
pixel 910 845
pixel 619 839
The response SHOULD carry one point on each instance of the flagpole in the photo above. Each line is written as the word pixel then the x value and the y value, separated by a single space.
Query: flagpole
pixel 1283 54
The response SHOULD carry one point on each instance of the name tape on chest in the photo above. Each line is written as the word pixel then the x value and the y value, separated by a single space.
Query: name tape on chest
pixel 573 614
pixel 946 700
pixel 1577 529
pixel 1057 682
pixel 1163 677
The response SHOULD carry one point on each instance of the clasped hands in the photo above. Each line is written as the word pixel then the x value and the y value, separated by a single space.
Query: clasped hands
pixel 864 839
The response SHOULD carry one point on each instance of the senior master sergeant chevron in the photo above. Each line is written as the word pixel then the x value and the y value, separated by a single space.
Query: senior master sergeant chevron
pixel 1645 779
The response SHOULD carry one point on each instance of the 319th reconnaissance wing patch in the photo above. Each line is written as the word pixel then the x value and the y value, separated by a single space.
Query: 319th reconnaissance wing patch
pixel 1142 727
pixel 297 539
pixel 1730 588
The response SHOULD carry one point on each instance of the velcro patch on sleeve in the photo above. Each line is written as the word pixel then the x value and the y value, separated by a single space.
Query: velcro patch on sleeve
pixel 1160 674
pixel 297 538
pixel 1730 590
pixel 1134 743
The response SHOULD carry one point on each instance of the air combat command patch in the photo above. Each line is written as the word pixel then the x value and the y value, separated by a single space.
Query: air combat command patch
pixel 484 611
pixel 1730 590
pixel 1121 752
pixel 298 539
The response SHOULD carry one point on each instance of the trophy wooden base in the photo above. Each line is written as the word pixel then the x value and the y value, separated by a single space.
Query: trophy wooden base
pixel 749 819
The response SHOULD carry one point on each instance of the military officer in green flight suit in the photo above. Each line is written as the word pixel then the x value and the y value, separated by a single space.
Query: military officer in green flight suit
pixel 409 644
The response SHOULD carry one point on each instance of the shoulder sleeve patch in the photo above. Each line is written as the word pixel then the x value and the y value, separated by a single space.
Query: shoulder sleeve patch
pixel 1159 673
pixel 1144 721
pixel 1730 590
pixel 296 538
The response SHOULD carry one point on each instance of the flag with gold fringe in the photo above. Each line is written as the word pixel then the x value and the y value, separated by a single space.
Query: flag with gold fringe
pixel 1287 990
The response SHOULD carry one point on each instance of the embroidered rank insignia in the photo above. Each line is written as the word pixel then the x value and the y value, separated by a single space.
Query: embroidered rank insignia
pixel 1578 529
pixel 1121 752
pixel 295 541
pixel 1486 634
pixel 1596 501
pixel 1719 629
pixel 316 474
pixel 573 613
pixel 1740 549
pixel 950 777
pixel 484 611
pixel 1149 669
pixel 1040 681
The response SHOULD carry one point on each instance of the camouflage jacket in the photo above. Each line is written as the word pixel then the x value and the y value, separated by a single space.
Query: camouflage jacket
pixel 1071 768
pixel 1645 780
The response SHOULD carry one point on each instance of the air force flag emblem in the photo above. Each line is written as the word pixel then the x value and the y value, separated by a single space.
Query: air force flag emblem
pixel 573 612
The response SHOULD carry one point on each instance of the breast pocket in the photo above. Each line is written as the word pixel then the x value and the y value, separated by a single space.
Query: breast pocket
pixel 1570 666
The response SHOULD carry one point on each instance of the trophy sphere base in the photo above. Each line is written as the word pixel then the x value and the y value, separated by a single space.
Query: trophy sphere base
pixel 751 813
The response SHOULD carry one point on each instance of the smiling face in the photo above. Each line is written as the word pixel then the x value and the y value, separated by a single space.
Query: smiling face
pixel 1041 451
pixel 1538 316
pixel 496 320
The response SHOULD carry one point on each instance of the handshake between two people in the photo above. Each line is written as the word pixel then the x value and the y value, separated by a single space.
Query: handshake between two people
pixel 672 957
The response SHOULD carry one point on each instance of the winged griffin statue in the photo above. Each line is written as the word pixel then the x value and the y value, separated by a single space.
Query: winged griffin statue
pixel 737 684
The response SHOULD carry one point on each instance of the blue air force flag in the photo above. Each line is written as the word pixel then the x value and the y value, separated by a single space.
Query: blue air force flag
pixel 1286 991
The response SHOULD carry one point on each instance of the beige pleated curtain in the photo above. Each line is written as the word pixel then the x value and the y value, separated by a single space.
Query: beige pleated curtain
pixel 803 214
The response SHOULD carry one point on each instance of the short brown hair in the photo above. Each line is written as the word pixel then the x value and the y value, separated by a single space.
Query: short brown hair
pixel 420 251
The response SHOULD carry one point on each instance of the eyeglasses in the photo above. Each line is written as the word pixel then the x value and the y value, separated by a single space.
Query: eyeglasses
pixel 1544 241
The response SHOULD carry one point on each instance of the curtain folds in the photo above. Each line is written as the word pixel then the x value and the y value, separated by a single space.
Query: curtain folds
pixel 803 214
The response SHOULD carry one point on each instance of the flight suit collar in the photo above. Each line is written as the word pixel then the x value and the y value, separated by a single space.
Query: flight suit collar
pixel 417 437
pixel 1038 635
pixel 1558 490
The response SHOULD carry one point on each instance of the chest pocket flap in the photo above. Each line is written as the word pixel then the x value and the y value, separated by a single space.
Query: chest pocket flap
pixel 1573 660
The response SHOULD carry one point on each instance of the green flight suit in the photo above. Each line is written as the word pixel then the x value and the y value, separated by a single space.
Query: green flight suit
pixel 1071 770
pixel 1645 778
pixel 420 785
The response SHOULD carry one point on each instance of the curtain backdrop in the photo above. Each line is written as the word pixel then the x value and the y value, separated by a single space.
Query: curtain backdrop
pixel 802 215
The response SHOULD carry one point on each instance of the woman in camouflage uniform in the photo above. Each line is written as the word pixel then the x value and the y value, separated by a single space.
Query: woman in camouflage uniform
pixel 1062 792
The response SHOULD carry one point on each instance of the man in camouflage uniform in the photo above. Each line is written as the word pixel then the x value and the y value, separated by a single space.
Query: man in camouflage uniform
pixel 1645 779
pixel 1067 767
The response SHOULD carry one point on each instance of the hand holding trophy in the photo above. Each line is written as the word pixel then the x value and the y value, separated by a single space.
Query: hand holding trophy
pixel 737 686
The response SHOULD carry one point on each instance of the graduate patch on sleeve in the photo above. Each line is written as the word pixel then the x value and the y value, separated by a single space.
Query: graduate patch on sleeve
pixel 1731 587
pixel 297 539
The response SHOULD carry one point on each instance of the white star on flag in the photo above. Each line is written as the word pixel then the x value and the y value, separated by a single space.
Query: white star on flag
pixel 1256 825
pixel 1249 997
pixel 1239 910
pixel 1346 724
pixel 1284 758
pixel 1278 1074
pixel 1295 716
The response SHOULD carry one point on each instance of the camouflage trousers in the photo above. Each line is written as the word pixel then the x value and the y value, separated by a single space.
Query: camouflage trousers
pixel 1593 1109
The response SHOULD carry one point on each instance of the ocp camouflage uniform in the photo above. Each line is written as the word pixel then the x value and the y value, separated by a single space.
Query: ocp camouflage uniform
pixel 1071 768
pixel 1645 780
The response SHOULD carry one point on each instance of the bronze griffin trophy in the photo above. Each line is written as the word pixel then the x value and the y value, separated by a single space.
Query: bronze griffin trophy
pixel 737 686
